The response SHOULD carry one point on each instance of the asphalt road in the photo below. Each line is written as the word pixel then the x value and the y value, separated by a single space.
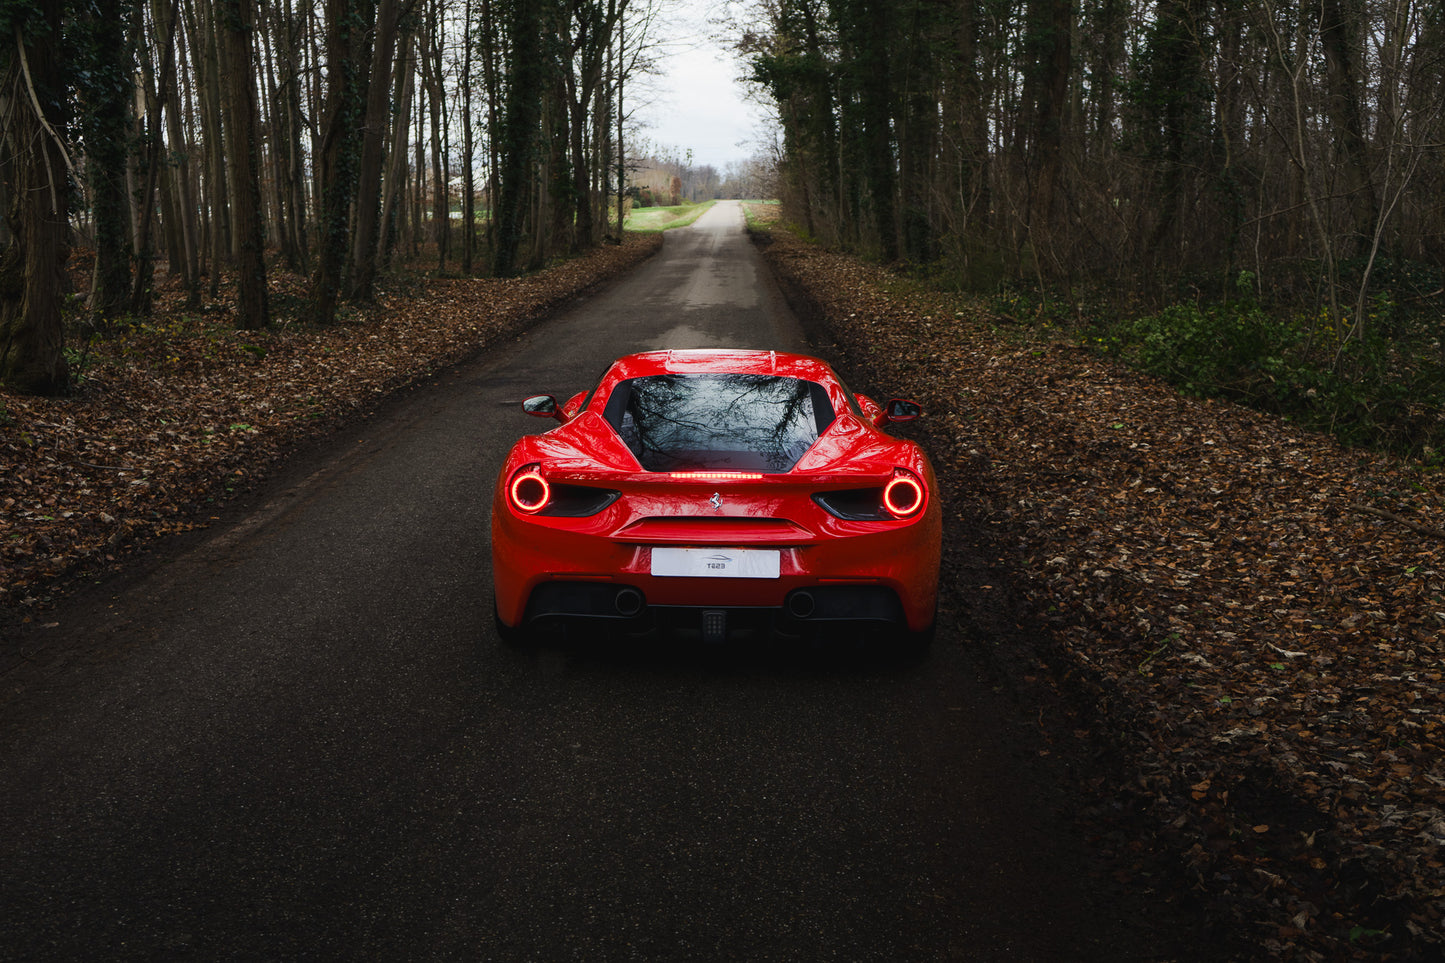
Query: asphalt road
pixel 295 736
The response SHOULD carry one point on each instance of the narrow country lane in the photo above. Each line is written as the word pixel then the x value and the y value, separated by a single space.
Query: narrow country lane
pixel 295 735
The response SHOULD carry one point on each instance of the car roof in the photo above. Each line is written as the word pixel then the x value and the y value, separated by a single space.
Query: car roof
pixel 722 361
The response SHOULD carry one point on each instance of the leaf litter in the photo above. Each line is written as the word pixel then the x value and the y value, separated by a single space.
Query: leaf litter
pixel 174 413
pixel 1251 616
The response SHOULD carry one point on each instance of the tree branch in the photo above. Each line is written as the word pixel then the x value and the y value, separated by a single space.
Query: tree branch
pixel 1391 516
pixel 40 116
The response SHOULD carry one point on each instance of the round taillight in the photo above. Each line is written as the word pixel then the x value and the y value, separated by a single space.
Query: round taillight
pixel 530 491
pixel 903 496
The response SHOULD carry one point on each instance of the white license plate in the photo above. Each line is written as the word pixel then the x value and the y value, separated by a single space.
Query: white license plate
pixel 717 562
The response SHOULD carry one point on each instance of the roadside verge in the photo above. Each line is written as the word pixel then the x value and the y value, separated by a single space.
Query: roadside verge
pixel 1246 617
pixel 177 412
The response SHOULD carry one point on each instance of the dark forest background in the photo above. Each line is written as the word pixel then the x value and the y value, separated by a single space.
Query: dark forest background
pixel 1244 196
pixel 213 138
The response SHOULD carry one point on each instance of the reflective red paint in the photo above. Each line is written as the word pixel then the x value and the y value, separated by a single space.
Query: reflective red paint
pixel 725 510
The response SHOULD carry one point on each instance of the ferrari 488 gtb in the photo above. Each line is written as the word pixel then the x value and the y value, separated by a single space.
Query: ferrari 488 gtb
pixel 714 491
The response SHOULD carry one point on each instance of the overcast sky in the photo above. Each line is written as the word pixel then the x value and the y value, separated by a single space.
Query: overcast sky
pixel 698 103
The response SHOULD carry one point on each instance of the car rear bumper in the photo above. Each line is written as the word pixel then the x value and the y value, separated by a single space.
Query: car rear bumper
pixel 805 611
pixel 888 577
pixel 619 600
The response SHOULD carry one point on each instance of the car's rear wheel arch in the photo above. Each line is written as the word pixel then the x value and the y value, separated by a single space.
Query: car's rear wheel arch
pixel 512 636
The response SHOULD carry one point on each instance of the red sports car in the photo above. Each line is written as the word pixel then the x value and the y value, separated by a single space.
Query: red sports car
pixel 718 490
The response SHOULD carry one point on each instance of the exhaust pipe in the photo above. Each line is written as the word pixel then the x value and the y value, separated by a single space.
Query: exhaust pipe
pixel 801 605
pixel 628 602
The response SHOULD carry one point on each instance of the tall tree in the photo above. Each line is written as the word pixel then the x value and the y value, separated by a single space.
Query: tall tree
pixel 1049 46
pixel 153 70
pixel 430 53
pixel 253 304
pixel 287 162
pixel 33 168
pixel 922 32
pixel 186 229
pixel 366 235
pixel 794 63
pixel 469 186
pixel 346 24
pixel 865 30
pixel 590 35
pixel 104 85
pixel 1171 102
pixel 210 83
pixel 1340 29
pixel 393 208
pixel 526 77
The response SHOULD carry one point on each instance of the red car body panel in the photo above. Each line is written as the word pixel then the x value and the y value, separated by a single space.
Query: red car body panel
pixel 743 510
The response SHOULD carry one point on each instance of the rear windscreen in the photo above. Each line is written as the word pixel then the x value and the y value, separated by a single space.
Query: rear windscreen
pixel 718 422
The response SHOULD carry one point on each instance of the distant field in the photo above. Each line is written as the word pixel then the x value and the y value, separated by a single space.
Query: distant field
pixel 762 214
pixel 665 218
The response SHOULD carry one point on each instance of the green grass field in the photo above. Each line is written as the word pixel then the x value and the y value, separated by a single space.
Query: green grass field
pixel 652 219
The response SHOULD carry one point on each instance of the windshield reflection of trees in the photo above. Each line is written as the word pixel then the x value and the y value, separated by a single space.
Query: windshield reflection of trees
pixel 745 422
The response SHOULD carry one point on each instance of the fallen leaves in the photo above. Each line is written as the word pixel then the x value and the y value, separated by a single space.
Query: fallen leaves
pixel 175 413
pixel 1257 615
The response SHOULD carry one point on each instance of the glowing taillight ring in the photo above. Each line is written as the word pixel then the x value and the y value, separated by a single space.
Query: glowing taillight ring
pixel 530 492
pixel 903 496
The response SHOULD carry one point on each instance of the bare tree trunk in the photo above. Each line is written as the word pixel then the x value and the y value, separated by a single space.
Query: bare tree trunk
pixel 170 217
pixel 394 186
pixel 237 20
pixel 188 120
pixel 373 153
pixel 524 112
pixel 430 49
pixel 104 93
pixel 587 49
pixel 269 51
pixel 417 217
pixel 556 230
pixel 294 164
pixel 33 169
pixel 209 82
pixel 336 160
pixel 602 138
pixel 917 131
pixel 619 73
pixel 469 187
pixel 316 99
pixel 1054 38
pixel 491 60
pixel 186 226
pixel 1338 32
pixel 140 300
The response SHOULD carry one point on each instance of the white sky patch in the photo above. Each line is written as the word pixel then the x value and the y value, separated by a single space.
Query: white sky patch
pixel 698 103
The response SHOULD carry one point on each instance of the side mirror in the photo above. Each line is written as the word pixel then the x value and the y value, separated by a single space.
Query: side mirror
pixel 900 410
pixel 543 406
